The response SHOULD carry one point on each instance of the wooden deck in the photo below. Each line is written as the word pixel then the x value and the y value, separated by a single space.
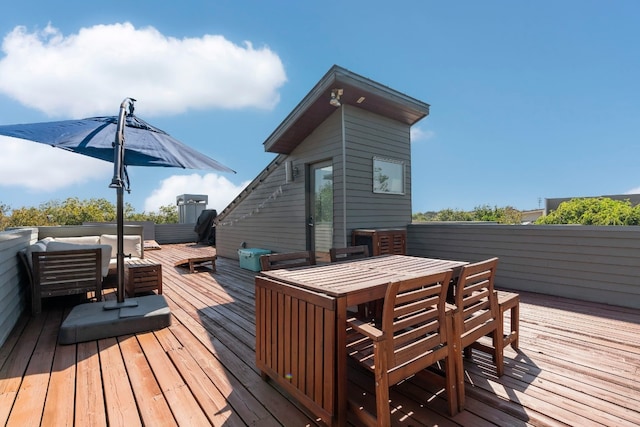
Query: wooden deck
pixel 578 364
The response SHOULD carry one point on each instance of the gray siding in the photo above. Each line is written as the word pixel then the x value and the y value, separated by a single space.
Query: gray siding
pixel 269 217
pixel 367 136
pixel 273 214
pixel 175 233
pixel 13 280
pixel 582 262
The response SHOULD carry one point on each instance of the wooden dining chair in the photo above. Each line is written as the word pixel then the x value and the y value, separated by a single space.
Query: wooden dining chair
pixel 477 315
pixel 287 260
pixel 348 253
pixel 415 333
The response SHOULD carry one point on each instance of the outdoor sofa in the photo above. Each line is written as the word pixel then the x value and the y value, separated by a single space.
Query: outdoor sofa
pixel 61 264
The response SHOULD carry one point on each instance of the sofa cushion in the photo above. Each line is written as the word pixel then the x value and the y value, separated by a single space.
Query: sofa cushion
pixel 39 246
pixel 132 245
pixel 81 240
pixel 64 246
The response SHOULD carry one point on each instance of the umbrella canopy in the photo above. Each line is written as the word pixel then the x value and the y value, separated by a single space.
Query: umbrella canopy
pixel 124 140
pixel 145 145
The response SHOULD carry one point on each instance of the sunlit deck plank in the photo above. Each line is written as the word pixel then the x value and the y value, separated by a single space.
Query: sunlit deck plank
pixel 118 395
pixel 58 408
pixel 29 404
pixel 176 391
pixel 212 401
pixel 21 345
pixel 150 399
pixel 89 404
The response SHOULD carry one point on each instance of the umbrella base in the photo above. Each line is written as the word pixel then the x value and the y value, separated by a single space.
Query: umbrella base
pixel 91 321
pixel 115 305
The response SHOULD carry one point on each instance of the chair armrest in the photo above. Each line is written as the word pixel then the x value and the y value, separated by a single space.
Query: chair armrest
pixel 366 329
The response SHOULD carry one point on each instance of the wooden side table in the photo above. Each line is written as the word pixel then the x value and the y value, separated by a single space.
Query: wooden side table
pixel 381 241
pixel 142 276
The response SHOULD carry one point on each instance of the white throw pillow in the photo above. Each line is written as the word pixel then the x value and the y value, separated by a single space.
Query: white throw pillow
pixel 80 240
pixel 39 246
pixel 131 245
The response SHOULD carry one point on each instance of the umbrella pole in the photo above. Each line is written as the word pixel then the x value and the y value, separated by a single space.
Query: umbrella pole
pixel 118 183
pixel 120 234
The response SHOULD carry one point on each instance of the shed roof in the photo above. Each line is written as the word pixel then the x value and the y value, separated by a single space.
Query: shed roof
pixel 356 90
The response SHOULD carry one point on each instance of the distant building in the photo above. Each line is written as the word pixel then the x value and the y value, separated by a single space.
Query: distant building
pixel 531 216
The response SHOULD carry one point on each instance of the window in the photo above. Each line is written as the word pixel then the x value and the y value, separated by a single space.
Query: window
pixel 388 176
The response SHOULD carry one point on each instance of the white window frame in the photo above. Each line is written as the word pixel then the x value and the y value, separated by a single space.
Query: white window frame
pixel 395 167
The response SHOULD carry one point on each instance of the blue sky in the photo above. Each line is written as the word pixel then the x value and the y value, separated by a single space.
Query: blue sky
pixel 529 100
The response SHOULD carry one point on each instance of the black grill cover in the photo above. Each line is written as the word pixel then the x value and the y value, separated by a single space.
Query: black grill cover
pixel 205 228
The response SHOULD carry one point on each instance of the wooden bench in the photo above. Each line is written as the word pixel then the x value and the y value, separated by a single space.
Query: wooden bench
pixel 197 262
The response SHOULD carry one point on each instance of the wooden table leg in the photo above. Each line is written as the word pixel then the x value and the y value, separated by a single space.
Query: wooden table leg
pixel 341 362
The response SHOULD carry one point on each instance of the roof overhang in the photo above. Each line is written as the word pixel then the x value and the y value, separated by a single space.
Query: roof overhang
pixel 357 91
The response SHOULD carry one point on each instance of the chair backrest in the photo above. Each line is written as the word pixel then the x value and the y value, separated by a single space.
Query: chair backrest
pixel 475 298
pixel 350 252
pixel 414 315
pixel 287 260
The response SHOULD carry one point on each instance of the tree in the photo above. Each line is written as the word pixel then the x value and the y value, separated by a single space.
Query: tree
pixel 506 215
pixel 166 215
pixel 4 218
pixel 74 211
pixel 594 211
pixel 424 216
pixel 453 215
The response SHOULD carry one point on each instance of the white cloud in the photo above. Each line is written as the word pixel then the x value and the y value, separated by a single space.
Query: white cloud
pixel 43 168
pixel 90 72
pixel 417 134
pixel 633 191
pixel 220 190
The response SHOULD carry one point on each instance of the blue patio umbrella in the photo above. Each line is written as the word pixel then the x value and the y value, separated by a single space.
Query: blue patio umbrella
pixel 125 140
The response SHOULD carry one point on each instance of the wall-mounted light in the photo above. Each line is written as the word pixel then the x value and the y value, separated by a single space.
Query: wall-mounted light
pixel 291 172
pixel 335 97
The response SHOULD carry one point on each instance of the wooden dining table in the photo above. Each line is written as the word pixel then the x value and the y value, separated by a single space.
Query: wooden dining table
pixel 301 318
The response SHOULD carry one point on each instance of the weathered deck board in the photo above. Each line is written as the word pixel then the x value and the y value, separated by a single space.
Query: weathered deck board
pixel 154 408
pixel 118 395
pixel 89 404
pixel 578 364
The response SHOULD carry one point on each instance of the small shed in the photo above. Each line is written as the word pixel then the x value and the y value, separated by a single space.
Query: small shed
pixel 343 162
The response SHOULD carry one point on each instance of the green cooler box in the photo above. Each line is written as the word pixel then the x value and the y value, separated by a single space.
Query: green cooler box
pixel 250 258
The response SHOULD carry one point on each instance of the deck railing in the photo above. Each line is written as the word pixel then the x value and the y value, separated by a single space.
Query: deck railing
pixel 582 262
pixel 592 263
